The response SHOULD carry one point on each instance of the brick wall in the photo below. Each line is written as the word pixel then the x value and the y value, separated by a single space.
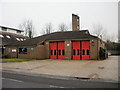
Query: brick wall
pixel 75 23
pixel 38 52
pixel 68 49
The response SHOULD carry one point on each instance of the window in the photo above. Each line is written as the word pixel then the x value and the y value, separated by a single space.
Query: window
pixel 32 48
pixel 83 52
pixel 86 32
pixel 21 39
pixel 18 31
pixel 88 52
pixel 1 36
pixel 77 26
pixel 4 29
pixel 63 52
pixel 18 39
pixel 22 50
pixel 9 50
pixel 42 43
pixel 24 39
pixel 14 50
pixel 73 51
pixel 59 52
pixel 51 52
pixel 8 36
pixel 55 52
pixel 78 52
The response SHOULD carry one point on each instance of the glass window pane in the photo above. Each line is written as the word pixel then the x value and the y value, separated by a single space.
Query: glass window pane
pixel 59 52
pixel 51 52
pixel 32 48
pixel 88 52
pixel 73 51
pixel 9 50
pixel 83 52
pixel 63 52
pixel 22 50
pixel 78 52
pixel 55 52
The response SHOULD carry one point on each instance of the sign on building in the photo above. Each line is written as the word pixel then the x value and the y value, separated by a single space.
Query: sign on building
pixel 13 50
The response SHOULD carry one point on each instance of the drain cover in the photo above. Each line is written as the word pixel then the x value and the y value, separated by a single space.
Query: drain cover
pixel 100 67
pixel 82 78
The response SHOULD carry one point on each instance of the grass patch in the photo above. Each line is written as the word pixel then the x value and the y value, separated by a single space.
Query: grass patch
pixel 15 60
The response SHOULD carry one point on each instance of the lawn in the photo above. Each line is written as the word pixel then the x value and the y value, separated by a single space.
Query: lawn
pixel 15 60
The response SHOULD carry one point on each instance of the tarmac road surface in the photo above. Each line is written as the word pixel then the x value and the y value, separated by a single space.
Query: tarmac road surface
pixel 12 79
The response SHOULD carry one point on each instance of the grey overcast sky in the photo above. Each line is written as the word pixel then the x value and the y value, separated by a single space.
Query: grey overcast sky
pixel 91 13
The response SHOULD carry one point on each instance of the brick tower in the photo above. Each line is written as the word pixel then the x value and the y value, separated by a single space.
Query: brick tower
pixel 75 23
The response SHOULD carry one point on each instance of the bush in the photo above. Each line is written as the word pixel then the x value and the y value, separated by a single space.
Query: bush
pixel 102 53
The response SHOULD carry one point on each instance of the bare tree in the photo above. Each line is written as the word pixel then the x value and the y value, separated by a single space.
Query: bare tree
pixel 48 28
pixel 63 27
pixel 98 30
pixel 70 26
pixel 112 37
pixel 28 28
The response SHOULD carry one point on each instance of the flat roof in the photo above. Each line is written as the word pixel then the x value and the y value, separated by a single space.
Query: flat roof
pixel 12 28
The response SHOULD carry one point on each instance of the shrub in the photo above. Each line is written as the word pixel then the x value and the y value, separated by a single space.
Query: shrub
pixel 102 53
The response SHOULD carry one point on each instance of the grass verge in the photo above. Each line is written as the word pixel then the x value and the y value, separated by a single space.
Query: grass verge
pixel 15 60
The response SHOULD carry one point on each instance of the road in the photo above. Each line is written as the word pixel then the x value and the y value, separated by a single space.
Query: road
pixel 22 80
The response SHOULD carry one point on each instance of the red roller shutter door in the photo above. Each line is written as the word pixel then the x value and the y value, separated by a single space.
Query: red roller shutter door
pixel 61 50
pixel 76 50
pixel 53 50
pixel 57 50
pixel 85 49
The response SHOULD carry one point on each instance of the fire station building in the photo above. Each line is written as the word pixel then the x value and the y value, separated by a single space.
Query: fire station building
pixel 75 44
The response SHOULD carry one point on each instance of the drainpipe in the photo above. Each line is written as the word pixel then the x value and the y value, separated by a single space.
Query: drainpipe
pixel 97 50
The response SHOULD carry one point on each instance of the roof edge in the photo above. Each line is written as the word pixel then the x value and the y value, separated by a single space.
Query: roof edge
pixel 11 28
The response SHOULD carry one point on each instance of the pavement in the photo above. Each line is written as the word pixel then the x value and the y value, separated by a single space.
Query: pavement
pixel 105 69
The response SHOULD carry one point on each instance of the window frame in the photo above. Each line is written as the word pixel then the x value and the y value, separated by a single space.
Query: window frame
pixel 23 52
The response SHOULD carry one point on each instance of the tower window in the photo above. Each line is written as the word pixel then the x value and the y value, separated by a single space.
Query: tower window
pixel 77 26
